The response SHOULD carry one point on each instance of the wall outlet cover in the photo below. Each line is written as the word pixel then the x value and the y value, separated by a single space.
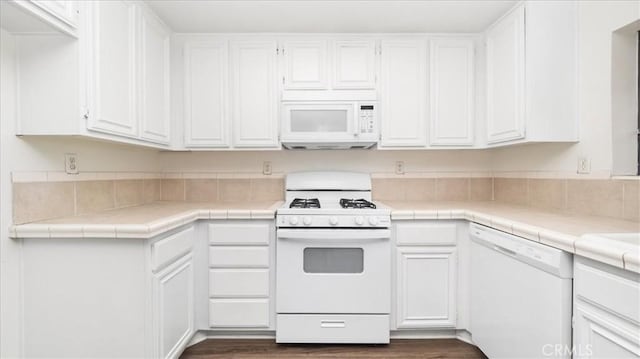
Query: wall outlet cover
pixel 399 167
pixel 584 165
pixel 71 163
pixel 266 168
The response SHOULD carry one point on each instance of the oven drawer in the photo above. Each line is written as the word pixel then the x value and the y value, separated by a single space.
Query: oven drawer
pixel 314 328
pixel 229 257
pixel 239 282
pixel 239 313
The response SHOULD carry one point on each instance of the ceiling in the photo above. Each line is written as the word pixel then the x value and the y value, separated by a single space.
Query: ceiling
pixel 365 16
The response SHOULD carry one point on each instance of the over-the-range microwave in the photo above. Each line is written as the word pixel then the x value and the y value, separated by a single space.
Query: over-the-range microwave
pixel 336 121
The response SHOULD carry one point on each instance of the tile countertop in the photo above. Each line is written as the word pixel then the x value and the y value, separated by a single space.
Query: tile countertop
pixel 559 230
pixel 143 221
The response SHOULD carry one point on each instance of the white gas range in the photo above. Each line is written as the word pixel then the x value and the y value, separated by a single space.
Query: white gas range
pixel 333 261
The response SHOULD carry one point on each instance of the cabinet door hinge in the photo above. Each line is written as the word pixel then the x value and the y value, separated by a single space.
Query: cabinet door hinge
pixel 277 51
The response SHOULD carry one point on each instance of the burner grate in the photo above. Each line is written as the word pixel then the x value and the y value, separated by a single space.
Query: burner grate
pixel 356 203
pixel 305 203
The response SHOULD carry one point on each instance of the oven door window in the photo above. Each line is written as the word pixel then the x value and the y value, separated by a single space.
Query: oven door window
pixel 319 120
pixel 333 260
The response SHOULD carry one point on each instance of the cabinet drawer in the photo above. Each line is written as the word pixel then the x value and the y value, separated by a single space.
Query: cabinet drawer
pixel 168 249
pixel 422 233
pixel 319 328
pixel 239 282
pixel 243 313
pixel 234 257
pixel 614 293
pixel 239 233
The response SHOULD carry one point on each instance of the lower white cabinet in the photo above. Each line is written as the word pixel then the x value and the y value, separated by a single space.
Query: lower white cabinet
pixel 606 311
pixel 426 287
pixel 241 277
pixel 174 307
pixel 426 274
pixel 108 297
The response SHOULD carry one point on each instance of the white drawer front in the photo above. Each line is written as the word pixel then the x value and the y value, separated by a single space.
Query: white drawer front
pixel 238 257
pixel 168 249
pixel 242 313
pixel 317 328
pixel 608 290
pixel 239 282
pixel 239 233
pixel 421 233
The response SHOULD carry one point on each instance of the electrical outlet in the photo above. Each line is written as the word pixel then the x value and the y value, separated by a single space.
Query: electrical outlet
pixel 399 167
pixel 584 165
pixel 71 163
pixel 266 168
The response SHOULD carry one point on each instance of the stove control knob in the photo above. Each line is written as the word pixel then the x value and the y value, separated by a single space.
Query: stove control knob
pixel 306 221
pixel 373 221
pixel 359 220
pixel 293 220
pixel 333 221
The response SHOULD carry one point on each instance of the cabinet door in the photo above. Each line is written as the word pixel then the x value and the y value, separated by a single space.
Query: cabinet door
pixel 505 79
pixel 426 287
pixel 596 335
pixel 154 72
pixel 404 98
pixel 206 94
pixel 254 88
pixel 174 305
pixel 305 64
pixel 451 92
pixel 354 64
pixel 113 86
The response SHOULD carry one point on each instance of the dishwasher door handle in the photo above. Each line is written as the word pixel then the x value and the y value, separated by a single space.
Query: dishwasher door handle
pixel 506 251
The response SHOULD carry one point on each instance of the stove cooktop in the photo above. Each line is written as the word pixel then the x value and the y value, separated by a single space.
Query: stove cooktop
pixel 305 203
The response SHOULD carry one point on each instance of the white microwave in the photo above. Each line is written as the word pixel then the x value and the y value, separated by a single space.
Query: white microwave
pixel 329 124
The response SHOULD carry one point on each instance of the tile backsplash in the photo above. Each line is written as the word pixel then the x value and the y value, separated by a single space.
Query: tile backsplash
pixel 42 200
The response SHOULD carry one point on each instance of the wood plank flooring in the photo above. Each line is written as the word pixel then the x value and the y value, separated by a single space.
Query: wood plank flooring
pixel 267 348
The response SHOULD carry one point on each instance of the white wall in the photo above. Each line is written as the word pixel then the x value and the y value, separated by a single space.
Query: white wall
pixel 40 154
pixel 597 20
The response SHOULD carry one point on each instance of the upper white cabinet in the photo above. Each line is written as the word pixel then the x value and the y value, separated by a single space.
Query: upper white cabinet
pixel 505 78
pixel 532 74
pixel 112 103
pixel 354 64
pixel 206 94
pixel 254 110
pixel 154 83
pixel 451 92
pixel 403 92
pixel 305 63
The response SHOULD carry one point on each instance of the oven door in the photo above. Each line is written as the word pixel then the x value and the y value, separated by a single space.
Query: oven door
pixel 319 121
pixel 333 271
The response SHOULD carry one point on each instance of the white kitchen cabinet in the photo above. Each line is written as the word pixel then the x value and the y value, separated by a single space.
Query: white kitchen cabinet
pixel 154 83
pixel 113 96
pixel 403 93
pixel 305 64
pixel 426 287
pixel 505 78
pixel 206 94
pixel 354 64
pixel 532 74
pixel 451 92
pixel 174 302
pixel 241 275
pixel 116 298
pixel 254 89
pixel 606 311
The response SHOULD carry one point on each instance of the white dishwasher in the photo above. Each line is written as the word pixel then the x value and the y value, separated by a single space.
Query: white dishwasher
pixel 520 296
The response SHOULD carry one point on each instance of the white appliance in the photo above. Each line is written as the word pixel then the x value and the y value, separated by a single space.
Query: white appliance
pixel 521 292
pixel 312 120
pixel 332 261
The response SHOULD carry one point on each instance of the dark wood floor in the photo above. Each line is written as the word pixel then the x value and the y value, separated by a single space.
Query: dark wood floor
pixel 259 348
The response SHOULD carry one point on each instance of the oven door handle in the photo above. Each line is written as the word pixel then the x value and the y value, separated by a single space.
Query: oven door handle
pixel 332 234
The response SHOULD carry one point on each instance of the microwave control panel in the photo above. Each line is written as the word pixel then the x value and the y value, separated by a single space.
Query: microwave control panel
pixel 367 118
